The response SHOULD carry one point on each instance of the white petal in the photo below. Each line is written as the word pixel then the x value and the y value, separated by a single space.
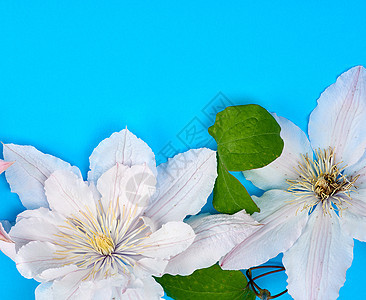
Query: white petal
pixel 171 239
pixel 339 119
pixel 121 147
pixel 44 291
pixel 184 184
pixel 357 169
pixel 29 172
pixel 68 194
pixel 68 286
pixel 55 273
pixel 150 266
pixel 143 289
pixel 42 213
pixel 149 223
pixel 216 235
pixel 282 225
pixel 8 249
pixel 128 186
pixel 274 175
pixel 74 287
pixel 316 265
pixel 110 288
pixel 36 257
pixel 353 217
pixel 36 225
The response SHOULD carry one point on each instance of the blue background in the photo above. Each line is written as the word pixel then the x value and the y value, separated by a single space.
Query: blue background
pixel 73 72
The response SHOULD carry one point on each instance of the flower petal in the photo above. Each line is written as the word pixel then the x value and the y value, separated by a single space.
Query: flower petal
pixel 282 225
pixel 8 249
pixel 121 147
pixel 150 266
pixel 29 172
pixel 274 175
pixel 36 225
pixel 68 194
pixel 353 217
pixel 4 235
pixel 36 257
pixel 357 169
pixel 142 289
pixel 68 286
pixel 128 186
pixel 4 165
pixel 216 235
pixel 109 288
pixel 73 287
pixel 44 291
pixel 316 264
pixel 55 273
pixel 339 119
pixel 171 239
pixel 184 184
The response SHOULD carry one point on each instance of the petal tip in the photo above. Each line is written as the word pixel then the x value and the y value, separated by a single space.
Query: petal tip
pixel 5 164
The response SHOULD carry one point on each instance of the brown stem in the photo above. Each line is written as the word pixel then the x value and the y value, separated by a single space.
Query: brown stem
pixel 263 293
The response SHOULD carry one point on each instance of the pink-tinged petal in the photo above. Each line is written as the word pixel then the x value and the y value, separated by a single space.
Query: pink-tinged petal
pixel 282 224
pixel 316 264
pixel 128 186
pixel 216 235
pixel 7 245
pixel 36 257
pixel 4 235
pixel 274 175
pixel 121 147
pixel 68 194
pixel 184 184
pixel 29 172
pixel 4 165
pixel 339 119
pixel 353 217
pixel 143 289
pixel 171 239
pixel 36 225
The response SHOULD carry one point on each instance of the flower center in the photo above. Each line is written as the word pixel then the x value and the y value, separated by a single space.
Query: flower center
pixel 326 185
pixel 323 178
pixel 103 244
pixel 106 241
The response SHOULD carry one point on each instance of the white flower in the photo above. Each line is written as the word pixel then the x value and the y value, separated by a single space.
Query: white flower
pixel 5 240
pixel 316 199
pixel 105 238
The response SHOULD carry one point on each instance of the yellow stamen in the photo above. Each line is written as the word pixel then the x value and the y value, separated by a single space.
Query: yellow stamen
pixel 103 244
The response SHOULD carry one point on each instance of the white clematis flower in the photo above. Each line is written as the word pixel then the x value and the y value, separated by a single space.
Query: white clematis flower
pixel 5 240
pixel 105 238
pixel 315 202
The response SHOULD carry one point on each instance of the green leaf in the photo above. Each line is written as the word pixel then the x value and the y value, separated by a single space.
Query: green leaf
pixel 230 196
pixel 247 137
pixel 209 283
